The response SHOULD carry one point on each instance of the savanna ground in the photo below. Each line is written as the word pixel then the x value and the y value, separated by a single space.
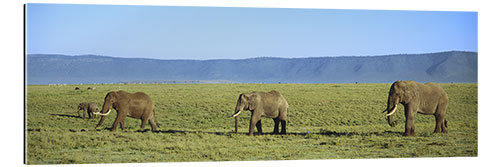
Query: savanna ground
pixel 325 121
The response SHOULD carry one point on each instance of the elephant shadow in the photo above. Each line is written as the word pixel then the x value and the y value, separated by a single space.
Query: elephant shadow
pixel 324 133
pixel 65 115
pixel 349 134
pixel 172 131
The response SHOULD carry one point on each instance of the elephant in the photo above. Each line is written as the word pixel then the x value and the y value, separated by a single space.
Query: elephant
pixel 89 108
pixel 137 105
pixel 262 104
pixel 77 88
pixel 90 88
pixel 427 99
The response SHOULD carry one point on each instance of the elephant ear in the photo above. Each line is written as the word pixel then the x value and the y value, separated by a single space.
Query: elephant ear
pixel 409 89
pixel 122 98
pixel 80 106
pixel 251 100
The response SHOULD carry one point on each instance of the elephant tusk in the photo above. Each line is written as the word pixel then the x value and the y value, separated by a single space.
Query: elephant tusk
pixel 392 111
pixel 109 111
pixel 238 113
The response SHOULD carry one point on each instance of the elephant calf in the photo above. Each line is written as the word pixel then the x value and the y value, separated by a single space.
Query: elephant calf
pixel 88 108
pixel 428 99
pixel 262 104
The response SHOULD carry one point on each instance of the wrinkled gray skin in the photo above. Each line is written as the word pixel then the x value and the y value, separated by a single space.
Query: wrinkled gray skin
pixel 427 99
pixel 88 108
pixel 262 104
pixel 137 105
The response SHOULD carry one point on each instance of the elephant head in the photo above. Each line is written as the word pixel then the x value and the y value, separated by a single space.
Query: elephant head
pixel 245 102
pixel 110 101
pixel 400 92
pixel 82 106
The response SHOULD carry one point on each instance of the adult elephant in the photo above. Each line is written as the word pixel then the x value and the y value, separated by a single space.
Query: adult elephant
pixel 427 99
pixel 137 105
pixel 262 104
pixel 88 108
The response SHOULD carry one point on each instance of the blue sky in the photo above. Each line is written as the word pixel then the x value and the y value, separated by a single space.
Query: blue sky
pixel 166 32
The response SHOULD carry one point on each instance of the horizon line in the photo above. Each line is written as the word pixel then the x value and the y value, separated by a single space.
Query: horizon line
pixel 379 55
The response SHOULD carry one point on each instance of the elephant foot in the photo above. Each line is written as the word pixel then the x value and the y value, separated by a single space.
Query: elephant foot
pixel 442 131
pixel 409 134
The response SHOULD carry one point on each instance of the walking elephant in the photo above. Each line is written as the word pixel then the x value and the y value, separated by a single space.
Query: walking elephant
pixel 88 108
pixel 427 99
pixel 137 105
pixel 262 104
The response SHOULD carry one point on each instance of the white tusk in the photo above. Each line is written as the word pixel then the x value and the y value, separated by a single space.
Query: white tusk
pixel 109 111
pixel 234 115
pixel 393 111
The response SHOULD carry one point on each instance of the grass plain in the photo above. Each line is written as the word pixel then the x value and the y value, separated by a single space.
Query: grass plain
pixel 325 121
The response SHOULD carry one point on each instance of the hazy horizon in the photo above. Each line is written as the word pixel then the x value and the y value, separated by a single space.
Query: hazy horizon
pixel 204 33
pixel 252 57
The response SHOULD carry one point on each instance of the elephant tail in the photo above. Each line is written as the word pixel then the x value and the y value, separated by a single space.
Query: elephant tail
pixel 445 123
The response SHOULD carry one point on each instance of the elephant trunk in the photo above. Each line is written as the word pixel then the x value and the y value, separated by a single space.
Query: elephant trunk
pixel 389 120
pixel 236 124
pixel 391 109
pixel 237 112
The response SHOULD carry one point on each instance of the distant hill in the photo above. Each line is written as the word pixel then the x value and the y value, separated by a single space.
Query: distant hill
pixel 453 66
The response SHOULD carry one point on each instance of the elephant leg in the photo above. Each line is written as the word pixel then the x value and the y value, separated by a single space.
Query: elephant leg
pixel 253 122
pixel 259 127
pixel 440 124
pixel 78 112
pixel 100 121
pixel 276 125
pixel 89 113
pixel 122 125
pixel 84 113
pixel 409 126
pixel 152 122
pixel 119 118
pixel 444 126
pixel 441 119
pixel 143 123
pixel 283 126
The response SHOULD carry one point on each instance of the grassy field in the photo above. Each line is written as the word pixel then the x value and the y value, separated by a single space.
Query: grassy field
pixel 325 121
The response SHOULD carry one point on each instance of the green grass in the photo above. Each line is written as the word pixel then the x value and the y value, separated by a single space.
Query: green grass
pixel 325 121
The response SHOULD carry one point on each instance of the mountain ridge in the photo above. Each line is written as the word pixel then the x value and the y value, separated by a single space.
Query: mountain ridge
pixel 450 66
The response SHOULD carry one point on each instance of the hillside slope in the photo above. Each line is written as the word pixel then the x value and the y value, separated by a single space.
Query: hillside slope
pixel 451 66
